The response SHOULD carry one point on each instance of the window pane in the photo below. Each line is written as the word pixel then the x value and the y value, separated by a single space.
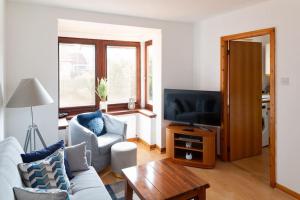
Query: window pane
pixel 121 74
pixel 149 74
pixel 76 75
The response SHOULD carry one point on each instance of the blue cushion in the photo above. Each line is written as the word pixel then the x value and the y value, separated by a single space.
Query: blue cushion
pixel 93 121
pixel 43 153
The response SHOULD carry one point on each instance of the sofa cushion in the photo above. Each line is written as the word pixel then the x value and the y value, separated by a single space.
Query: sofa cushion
pixel 88 186
pixel 93 121
pixel 85 179
pixel 47 173
pixel 106 141
pixel 77 157
pixel 40 194
pixel 43 153
pixel 98 193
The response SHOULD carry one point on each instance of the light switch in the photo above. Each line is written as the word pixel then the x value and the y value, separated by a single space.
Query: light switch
pixel 285 80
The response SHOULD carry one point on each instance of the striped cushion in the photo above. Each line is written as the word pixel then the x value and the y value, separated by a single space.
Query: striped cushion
pixel 47 173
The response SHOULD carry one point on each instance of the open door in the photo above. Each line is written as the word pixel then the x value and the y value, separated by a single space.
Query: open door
pixel 245 89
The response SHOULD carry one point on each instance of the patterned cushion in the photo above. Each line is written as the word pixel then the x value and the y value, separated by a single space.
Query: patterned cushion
pixel 43 153
pixel 93 121
pixel 40 194
pixel 47 173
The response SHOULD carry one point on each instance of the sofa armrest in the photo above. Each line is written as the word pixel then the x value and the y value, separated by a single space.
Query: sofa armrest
pixel 89 157
pixel 114 125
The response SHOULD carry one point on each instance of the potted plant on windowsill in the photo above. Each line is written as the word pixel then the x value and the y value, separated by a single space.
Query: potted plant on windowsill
pixel 102 91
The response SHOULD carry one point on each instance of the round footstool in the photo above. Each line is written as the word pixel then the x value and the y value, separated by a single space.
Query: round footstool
pixel 123 155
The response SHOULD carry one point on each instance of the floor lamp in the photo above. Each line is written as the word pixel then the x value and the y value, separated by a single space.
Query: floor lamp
pixel 29 93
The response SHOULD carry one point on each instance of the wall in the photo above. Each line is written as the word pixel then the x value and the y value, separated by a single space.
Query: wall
pixel 276 13
pixel 2 21
pixel 140 126
pixel 146 128
pixel 32 51
pixel 131 121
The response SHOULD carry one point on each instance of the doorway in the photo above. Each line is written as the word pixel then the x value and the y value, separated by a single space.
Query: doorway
pixel 229 83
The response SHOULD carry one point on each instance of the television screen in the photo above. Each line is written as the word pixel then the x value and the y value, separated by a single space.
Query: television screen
pixel 192 106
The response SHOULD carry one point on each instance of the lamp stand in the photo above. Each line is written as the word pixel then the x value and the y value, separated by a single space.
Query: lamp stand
pixel 32 131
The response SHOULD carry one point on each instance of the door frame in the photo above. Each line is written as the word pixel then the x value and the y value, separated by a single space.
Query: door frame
pixel 225 134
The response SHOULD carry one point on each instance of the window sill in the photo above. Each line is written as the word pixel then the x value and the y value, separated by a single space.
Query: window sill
pixel 145 112
pixel 63 124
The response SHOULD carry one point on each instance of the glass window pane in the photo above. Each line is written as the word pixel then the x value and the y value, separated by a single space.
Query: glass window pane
pixel 121 74
pixel 149 74
pixel 76 75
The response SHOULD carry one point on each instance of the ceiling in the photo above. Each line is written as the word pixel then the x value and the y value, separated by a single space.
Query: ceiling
pixel 173 10
pixel 92 30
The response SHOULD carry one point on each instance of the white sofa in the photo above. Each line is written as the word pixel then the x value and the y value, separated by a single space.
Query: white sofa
pixel 87 184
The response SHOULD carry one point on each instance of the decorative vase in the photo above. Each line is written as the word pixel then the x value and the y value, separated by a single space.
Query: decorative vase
pixel 188 156
pixel 103 106
pixel 131 104
pixel 188 144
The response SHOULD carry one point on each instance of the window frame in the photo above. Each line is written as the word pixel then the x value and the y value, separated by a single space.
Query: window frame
pixel 101 71
pixel 148 106
pixel 137 45
pixel 78 109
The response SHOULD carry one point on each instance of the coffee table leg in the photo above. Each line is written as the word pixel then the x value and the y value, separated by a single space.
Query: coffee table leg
pixel 201 194
pixel 128 191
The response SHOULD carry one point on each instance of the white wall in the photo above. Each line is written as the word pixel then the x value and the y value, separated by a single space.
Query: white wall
pixel 284 16
pixel 146 128
pixel 32 51
pixel 2 21
pixel 139 126
pixel 131 121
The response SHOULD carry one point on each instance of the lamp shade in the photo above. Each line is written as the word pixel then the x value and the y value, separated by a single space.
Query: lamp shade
pixel 29 92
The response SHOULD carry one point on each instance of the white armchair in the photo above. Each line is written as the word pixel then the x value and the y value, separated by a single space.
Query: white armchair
pixel 99 146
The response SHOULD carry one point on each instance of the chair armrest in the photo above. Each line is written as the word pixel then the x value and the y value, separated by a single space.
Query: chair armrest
pixel 114 125
pixel 89 157
pixel 81 134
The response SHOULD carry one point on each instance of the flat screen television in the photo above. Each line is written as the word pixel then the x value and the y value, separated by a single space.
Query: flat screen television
pixel 192 106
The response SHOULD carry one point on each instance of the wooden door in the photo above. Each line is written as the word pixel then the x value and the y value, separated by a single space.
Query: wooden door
pixel 245 89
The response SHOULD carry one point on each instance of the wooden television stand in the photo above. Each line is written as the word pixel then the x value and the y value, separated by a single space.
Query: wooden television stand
pixel 200 142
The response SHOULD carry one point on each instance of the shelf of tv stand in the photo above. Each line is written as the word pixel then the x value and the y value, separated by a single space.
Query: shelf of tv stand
pixel 188 149
pixel 202 149
pixel 179 139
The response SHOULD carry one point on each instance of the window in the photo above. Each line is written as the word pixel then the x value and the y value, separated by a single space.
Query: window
pixel 149 75
pixel 77 64
pixel 81 61
pixel 121 74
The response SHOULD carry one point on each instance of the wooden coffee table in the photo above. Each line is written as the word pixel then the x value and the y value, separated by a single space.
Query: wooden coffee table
pixel 163 179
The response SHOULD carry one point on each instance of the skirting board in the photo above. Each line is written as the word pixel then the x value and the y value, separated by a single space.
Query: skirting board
pixel 148 146
pixel 161 150
pixel 288 191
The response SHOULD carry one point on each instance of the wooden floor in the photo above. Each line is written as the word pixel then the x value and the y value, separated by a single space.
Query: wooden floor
pixel 241 180
pixel 257 166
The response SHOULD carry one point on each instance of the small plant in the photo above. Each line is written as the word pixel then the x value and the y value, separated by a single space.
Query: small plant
pixel 101 89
